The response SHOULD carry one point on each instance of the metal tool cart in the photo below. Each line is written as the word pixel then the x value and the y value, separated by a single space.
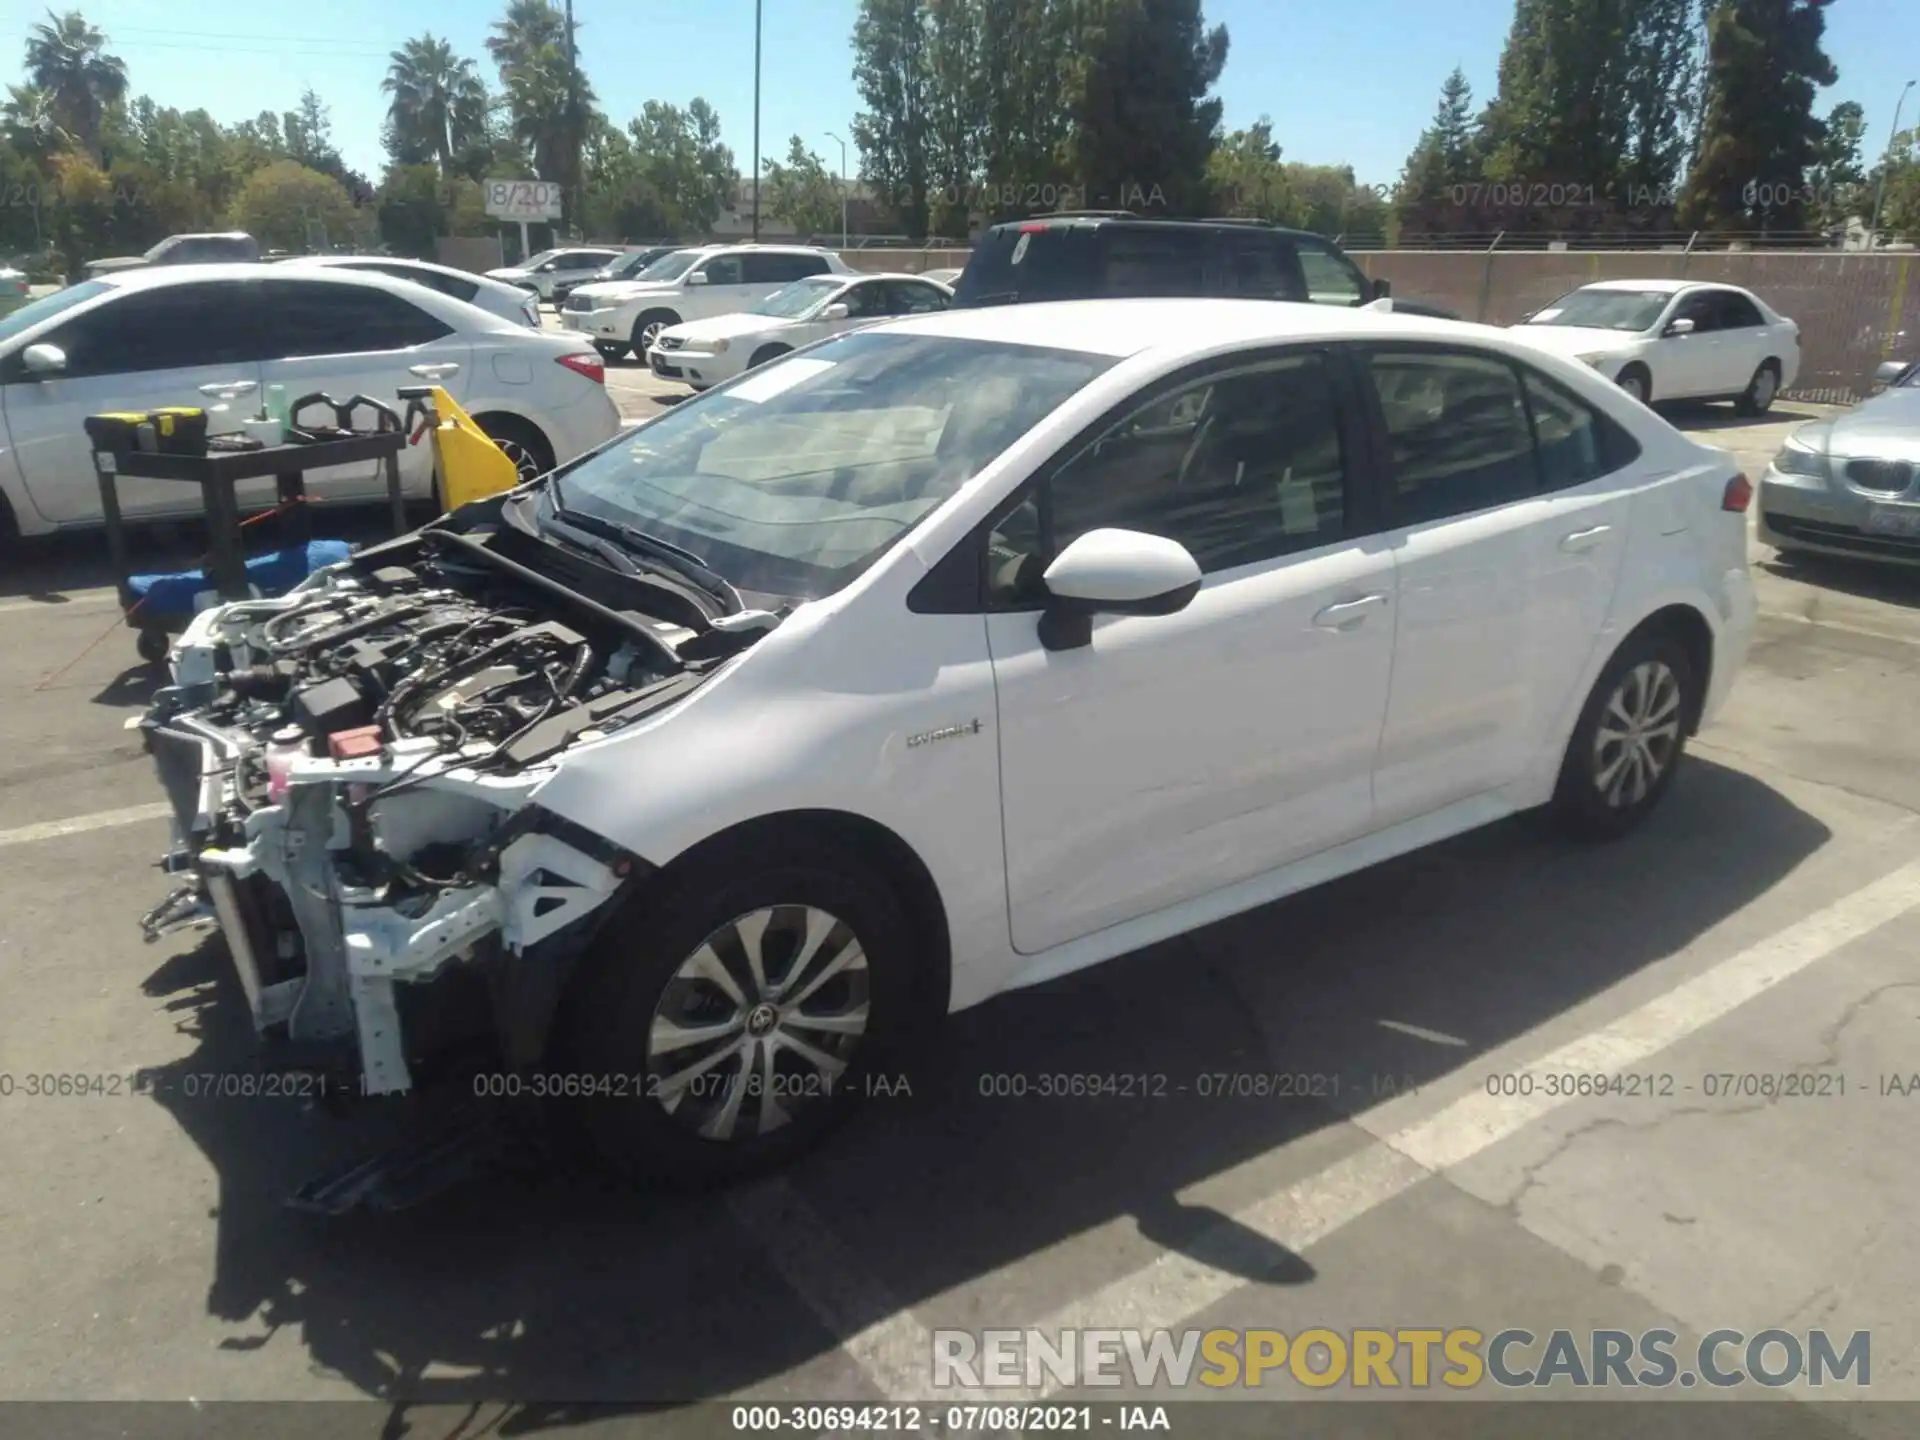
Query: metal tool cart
pixel 159 605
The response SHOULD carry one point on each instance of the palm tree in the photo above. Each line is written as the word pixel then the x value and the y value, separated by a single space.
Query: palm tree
pixel 68 60
pixel 528 27
pixel 33 128
pixel 439 104
pixel 550 123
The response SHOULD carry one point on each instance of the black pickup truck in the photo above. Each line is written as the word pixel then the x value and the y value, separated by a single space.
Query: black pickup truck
pixel 1111 254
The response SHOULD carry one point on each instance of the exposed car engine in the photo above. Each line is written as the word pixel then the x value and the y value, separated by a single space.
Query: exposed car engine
pixel 352 767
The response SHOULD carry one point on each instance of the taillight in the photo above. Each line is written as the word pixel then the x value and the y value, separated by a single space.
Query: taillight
pixel 1033 227
pixel 587 363
pixel 1738 495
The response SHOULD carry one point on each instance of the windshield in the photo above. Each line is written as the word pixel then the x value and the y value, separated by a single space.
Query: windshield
pixel 47 306
pixel 790 302
pixel 629 265
pixel 670 267
pixel 795 478
pixel 1605 309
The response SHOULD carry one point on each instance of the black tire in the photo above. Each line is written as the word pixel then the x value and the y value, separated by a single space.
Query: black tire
pixel 611 350
pixel 523 442
pixel 766 353
pixel 1595 797
pixel 634 983
pixel 1637 381
pixel 152 646
pixel 650 323
pixel 9 531
pixel 1762 389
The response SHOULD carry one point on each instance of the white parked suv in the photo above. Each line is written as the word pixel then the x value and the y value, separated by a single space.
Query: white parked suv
pixel 692 284
pixel 705 352
pixel 1672 340
pixel 541 273
pixel 941 659
pixel 219 335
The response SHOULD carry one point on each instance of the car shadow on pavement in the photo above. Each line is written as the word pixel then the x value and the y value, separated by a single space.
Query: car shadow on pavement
pixel 554 1289
pixel 1863 579
pixel 1702 415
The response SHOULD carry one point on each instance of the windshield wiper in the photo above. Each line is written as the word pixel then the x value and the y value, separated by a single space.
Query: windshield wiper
pixel 664 554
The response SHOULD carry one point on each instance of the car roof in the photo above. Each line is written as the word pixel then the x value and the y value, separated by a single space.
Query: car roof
pixel 1177 327
pixel 1091 218
pixel 147 278
pixel 1660 287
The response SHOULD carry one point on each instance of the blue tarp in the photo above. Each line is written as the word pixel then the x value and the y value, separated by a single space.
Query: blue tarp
pixel 273 573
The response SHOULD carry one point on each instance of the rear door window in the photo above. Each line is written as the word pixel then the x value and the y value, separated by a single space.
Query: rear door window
pixel 1048 262
pixel 1147 262
pixel 1258 267
pixel 331 319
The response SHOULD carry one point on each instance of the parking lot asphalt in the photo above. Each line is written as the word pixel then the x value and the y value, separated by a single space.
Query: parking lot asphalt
pixel 1764 924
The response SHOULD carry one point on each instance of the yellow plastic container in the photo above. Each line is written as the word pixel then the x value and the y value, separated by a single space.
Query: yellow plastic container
pixel 469 465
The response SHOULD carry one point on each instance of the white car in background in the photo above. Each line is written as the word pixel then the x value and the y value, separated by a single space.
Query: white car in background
pixel 219 335
pixel 496 297
pixel 1674 340
pixel 705 352
pixel 946 276
pixel 540 273
pixel 692 284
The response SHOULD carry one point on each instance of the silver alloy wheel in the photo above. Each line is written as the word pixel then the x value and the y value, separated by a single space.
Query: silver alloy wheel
pixel 1638 734
pixel 1763 388
pixel 524 460
pixel 1634 389
pixel 649 333
pixel 761 1019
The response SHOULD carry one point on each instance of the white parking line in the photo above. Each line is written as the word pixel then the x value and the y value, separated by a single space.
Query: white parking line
pixel 895 1354
pixel 80 824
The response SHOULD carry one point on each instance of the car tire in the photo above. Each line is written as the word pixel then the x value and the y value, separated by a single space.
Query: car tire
pixel 1761 391
pixel 1629 739
pixel 611 351
pixel 1637 382
pixel 690 1115
pixel 766 353
pixel 648 327
pixel 523 442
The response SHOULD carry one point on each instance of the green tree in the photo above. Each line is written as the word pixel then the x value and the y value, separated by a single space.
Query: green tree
pixel 680 161
pixel 1835 181
pixel 68 60
pixel 802 192
pixel 894 131
pixel 438 105
pixel 550 104
pixel 1443 170
pixel 528 28
pixel 1247 177
pixel 1328 200
pixel 1143 125
pixel 1900 202
pixel 287 206
pixel 1760 135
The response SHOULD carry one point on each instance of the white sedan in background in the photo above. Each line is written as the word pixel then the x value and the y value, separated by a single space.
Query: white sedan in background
pixel 219 336
pixel 496 297
pixel 705 352
pixel 1674 340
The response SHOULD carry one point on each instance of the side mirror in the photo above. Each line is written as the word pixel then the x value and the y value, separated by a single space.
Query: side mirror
pixel 699 277
pixel 1382 289
pixel 839 310
pixel 1887 373
pixel 1679 327
pixel 44 359
pixel 1114 572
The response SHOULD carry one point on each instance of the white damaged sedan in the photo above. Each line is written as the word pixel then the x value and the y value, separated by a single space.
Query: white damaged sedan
pixel 705 352
pixel 688 784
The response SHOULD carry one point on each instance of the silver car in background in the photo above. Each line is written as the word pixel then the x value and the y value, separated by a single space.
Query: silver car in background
pixel 496 297
pixel 1850 485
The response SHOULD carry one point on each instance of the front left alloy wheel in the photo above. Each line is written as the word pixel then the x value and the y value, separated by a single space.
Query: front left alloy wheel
pixel 741 1013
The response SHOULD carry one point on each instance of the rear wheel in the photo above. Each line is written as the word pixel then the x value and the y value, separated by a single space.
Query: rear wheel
pixel 1629 738
pixel 522 443
pixel 748 1009
pixel 610 350
pixel 1759 395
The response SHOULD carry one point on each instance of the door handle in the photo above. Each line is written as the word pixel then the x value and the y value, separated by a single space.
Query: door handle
pixel 226 389
pixel 1581 540
pixel 434 372
pixel 1349 612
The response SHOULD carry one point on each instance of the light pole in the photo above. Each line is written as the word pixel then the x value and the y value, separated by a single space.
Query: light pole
pixel 843 187
pixel 756 122
pixel 1886 164
pixel 574 140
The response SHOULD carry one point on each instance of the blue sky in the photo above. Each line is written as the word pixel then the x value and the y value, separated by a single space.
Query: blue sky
pixel 1352 85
